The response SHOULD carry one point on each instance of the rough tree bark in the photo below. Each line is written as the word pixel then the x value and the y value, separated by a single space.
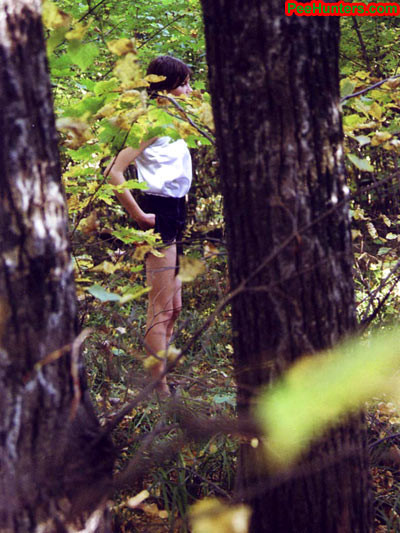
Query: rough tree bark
pixel 274 83
pixel 50 473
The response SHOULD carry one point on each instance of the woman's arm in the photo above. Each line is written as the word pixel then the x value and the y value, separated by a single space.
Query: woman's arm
pixel 115 174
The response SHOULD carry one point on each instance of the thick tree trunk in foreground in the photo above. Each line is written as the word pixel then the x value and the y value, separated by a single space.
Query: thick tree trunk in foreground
pixel 50 473
pixel 274 82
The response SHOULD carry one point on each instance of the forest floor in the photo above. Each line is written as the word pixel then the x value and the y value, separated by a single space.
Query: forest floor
pixel 177 468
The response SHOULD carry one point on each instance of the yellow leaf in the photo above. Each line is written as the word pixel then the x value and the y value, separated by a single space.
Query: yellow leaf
pixel 184 128
pixel 54 18
pixel 142 250
pixel 355 233
pixel 376 111
pixel 372 231
pixel 213 448
pixel 151 361
pixel 173 353
pixel 134 295
pixel 210 250
pixel 150 508
pixel 106 267
pixel 138 499
pixel 190 268
pixel 90 224
pixel 205 114
pixel 121 47
pixel 359 214
pixel 76 130
pixel 211 515
pixel 126 119
pixel 154 78
pixel 76 204
pixel 380 137
pixel 78 32
pixel 106 111
pixel 127 68
pixel 393 83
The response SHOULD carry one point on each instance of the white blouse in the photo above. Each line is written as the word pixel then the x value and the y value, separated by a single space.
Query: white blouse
pixel 166 167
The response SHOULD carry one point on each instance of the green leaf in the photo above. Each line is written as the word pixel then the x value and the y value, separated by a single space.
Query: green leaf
pixel 320 389
pixel 82 55
pixel 361 164
pixel 346 87
pixel 103 87
pixel 134 294
pixel 225 398
pixel 55 39
pixel 384 250
pixel 363 140
pixel 103 295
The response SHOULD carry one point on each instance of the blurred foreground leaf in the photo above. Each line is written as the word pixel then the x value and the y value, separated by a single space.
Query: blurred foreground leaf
pixel 319 390
pixel 211 515
pixel 190 268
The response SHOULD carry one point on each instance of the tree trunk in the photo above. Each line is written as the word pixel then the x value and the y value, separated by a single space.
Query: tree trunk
pixel 50 473
pixel 274 83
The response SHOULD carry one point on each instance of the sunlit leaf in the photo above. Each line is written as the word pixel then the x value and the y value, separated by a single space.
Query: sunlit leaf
pixel 77 131
pixel 151 361
pixel 122 47
pixel 134 294
pixel 361 164
pixel 372 230
pixel 103 295
pixel 138 499
pixel 190 268
pixel 90 224
pixel 393 83
pixel 380 137
pixel 346 87
pixel 127 68
pixel 376 110
pixel 53 17
pixel 154 78
pixel 83 55
pixel 56 37
pixel 320 389
pixel 205 114
pixel 211 515
pixel 363 140
pixel 78 32
pixel 106 267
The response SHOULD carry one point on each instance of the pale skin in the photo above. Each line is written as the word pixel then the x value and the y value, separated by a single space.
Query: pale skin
pixel 165 296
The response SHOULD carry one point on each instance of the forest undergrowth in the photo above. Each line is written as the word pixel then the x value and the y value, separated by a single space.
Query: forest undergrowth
pixel 169 469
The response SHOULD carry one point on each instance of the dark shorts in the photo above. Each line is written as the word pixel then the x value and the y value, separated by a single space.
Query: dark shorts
pixel 170 217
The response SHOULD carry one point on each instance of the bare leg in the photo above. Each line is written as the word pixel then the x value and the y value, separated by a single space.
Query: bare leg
pixel 160 273
pixel 176 308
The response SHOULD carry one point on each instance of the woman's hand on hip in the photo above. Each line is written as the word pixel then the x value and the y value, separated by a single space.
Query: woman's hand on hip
pixel 147 221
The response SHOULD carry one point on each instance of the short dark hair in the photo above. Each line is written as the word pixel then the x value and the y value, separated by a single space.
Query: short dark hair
pixel 174 70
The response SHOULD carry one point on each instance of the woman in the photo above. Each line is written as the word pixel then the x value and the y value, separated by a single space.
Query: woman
pixel 165 166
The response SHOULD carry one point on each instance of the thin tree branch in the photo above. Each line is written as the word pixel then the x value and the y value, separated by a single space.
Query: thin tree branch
pixel 367 89
pixel 161 30
pixel 180 108
pixel 362 44
pixel 90 11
